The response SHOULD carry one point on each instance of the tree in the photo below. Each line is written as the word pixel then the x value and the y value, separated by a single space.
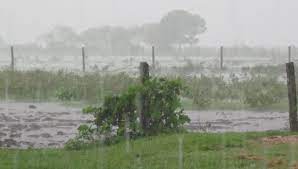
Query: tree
pixel 2 42
pixel 180 27
pixel 150 33
pixel 60 36
pixel 95 37
pixel 114 40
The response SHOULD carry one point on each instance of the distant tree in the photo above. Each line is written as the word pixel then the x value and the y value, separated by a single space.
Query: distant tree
pixel 95 37
pixel 150 33
pixel 2 42
pixel 113 39
pixel 61 36
pixel 180 27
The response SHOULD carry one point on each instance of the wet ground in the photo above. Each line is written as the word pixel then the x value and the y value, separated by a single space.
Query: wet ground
pixel 38 125
pixel 42 125
pixel 237 121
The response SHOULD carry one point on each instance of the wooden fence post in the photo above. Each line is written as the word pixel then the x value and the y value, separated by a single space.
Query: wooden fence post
pixel 292 96
pixel 290 53
pixel 153 59
pixel 12 58
pixel 83 59
pixel 221 57
pixel 144 76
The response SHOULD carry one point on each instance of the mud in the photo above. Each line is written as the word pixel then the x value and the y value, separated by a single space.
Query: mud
pixel 237 121
pixel 39 125
pixel 51 125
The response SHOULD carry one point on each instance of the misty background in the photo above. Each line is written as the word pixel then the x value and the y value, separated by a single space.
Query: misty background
pixel 228 22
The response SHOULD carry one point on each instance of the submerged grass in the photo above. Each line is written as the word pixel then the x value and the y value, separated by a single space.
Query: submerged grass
pixel 208 151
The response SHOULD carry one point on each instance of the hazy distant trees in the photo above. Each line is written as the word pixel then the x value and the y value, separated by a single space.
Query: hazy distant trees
pixel 60 36
pixel 2 42
pixel 181 27
pixel 176 29
pixel 108 39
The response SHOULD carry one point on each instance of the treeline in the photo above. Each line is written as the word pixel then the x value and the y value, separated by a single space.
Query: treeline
pixel 176 34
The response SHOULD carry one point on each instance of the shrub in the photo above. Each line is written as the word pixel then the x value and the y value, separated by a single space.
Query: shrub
pixel 119 117
pixel 261 91
pixel 83 140
pixel 67 94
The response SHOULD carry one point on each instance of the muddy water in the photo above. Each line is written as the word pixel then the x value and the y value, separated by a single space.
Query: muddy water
pixel 24 125
pixel 237 121
pixel 42 125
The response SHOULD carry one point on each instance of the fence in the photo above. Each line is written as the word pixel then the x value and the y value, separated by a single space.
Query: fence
pixel 88 59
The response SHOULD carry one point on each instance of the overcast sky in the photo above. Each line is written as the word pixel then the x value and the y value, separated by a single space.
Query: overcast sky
pixel 253 22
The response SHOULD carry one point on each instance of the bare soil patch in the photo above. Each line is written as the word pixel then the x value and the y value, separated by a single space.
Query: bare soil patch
pixel 280 140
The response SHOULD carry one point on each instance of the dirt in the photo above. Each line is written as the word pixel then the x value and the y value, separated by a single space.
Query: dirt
pixel 280 140
pixel 38 125
pixel 51 125
pixel 236 121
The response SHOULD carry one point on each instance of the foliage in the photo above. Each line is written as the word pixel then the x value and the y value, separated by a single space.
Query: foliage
pixel 181 27
pixel 261 91
pixel 256 92
pixel 83 140
pixel 119 113
pixel 66 94
pixel 268 70
pixel 60 36
pixel 39 85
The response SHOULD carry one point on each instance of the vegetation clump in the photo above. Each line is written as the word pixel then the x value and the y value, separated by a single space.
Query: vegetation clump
pixel 119 117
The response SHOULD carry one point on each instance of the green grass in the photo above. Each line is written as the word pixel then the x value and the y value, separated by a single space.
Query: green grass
pixel 282 106
pixel 91 88
pixel 207 151
pixel 42 86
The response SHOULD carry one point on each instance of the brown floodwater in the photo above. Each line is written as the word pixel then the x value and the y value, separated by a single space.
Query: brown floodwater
pixel 51 125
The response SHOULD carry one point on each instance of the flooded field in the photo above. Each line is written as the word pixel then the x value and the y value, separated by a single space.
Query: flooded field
pixel 237 121
pixel 42 125
pixel 38 125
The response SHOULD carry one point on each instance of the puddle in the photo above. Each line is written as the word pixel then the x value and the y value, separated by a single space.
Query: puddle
pixel 237 121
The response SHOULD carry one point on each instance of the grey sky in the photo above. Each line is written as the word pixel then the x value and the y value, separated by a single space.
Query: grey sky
pixel 254 22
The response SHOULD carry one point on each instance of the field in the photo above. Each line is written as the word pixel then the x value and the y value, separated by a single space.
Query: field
pixel 208 151
pixel 51 125
pixel 42 104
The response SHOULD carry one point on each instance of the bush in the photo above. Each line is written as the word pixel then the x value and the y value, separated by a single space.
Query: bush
pixel 261 91
pixel 67 94
pixel 118 116
pixel 83 140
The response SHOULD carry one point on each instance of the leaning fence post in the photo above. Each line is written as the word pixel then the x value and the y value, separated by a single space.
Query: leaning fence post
pixel 144 76
pixel 12 58
pixel 83 58
pixel 221 57
pixel 292 96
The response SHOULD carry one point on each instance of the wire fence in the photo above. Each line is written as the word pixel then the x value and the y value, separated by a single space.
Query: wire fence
pixel 72 59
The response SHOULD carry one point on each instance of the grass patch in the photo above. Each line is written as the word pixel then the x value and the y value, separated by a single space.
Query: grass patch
pixel 208 151
pixel 282 106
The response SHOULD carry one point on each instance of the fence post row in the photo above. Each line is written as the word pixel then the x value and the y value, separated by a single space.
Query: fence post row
pixel 292 96
pixel 144 105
